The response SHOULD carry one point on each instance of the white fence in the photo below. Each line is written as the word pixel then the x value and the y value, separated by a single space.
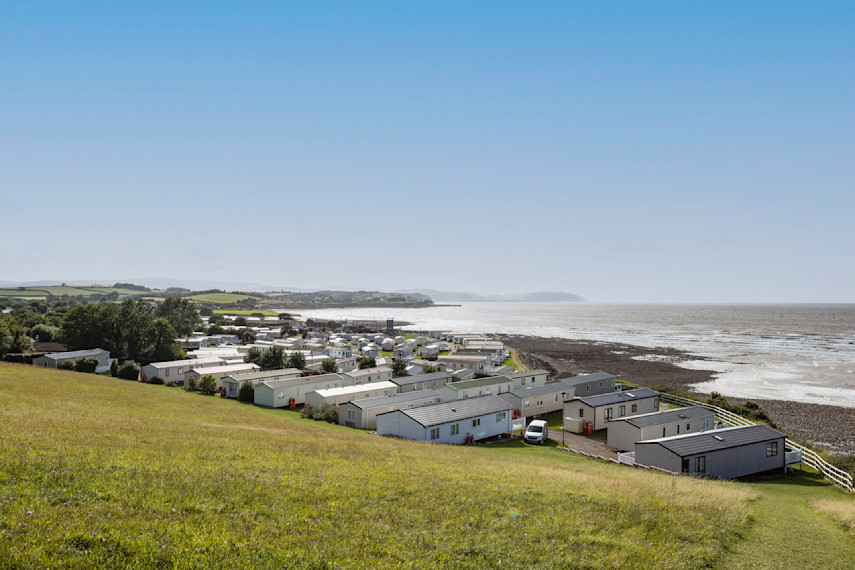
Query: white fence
pixel 809 457
pixel 627 458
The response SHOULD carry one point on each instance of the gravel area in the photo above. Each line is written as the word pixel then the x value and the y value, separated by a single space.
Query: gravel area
pixel 831 427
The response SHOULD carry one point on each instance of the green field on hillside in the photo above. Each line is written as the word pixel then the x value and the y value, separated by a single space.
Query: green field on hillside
pixel 245 312
pixel 220 298
pixel 59 290
pixel 100 472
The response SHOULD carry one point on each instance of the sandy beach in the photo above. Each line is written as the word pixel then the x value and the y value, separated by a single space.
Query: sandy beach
pixel 832 427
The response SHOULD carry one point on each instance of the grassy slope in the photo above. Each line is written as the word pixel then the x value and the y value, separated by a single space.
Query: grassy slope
pixel 126 474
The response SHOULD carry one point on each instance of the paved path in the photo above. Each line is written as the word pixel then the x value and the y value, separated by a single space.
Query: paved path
pixel 519 362
pixel 582 444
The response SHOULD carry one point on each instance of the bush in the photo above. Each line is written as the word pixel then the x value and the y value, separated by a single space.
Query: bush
pixel 66 365
pixel 114 368
pixel 307 411
pixel 192 384
pixel 20 358
pixel 156 380
pixel 329 366
pixel 208 384
pixel 87 365
pixel 246 393
pixel 129 370
pixel 326 413
pixel 367 362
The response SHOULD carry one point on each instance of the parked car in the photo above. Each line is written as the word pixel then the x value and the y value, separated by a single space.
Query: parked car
pixel 536 432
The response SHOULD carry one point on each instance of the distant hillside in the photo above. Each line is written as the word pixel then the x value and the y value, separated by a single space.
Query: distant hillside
pixel 459 296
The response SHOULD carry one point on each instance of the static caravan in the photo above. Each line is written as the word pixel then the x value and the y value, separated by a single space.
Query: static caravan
pixel 598 411
pixel 366 375
pixel 538 400
pixel 463 389
pixel 624 433
pixel 362 414
pixel 341 395
pixel 726 453
pixel 450 422
pixel 233 382
pixel 54 359
pixel 177 370
pixel 591 384
pixel 220 372
pixel 476 363
pixel 529 378
pixel 403 352
pixel 279 393
pixel 422 381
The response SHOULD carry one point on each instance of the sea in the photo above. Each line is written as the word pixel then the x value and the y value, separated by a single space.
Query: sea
pixel 797 352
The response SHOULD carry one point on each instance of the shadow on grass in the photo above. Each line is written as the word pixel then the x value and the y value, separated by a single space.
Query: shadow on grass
pixel 519 443
pixel 793 479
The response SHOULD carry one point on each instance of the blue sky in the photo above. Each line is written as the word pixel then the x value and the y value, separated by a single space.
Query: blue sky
pixel 648 152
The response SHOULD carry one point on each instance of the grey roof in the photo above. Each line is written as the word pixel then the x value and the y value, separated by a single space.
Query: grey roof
pixel 618 397
pixel 430 377
pixel 477 382
pixel 454 411
pixel 381 401
pixel 585 378
pixel 293 372
pixel 714 440
pixel 76 354
pixel 367 371
pixel 667 417
pixel 527 373
pixel 548 388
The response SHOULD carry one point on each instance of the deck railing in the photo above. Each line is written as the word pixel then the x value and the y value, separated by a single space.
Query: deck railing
pixel 809 457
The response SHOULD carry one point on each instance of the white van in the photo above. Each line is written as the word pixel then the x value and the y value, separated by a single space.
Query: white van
pixel 536 432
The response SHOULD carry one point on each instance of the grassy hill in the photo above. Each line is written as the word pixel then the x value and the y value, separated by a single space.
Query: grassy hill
pixel 32 293
pixel 220 298
pixel 96 471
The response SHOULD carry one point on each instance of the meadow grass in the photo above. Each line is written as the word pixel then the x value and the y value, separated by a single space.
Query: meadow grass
pixel 96 471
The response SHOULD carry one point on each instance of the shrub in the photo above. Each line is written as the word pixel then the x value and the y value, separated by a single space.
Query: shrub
pixel 87 365
pixel 326 413
pixel 192 384
pixel 66 365
pixel 129 370
pixel 114 368
pixel 208 384
pixel 329 366
pixel 156 380
pixel 307 411
pixel 367 362
pixel 246 392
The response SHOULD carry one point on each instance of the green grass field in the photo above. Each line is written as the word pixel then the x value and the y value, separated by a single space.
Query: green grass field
pixel 99 472
pixel 59 290
pixel 221 298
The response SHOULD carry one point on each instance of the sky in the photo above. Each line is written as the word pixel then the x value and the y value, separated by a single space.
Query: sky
pixel 623 151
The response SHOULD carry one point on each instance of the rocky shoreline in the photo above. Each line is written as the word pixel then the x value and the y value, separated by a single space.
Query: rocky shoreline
pixel 831 427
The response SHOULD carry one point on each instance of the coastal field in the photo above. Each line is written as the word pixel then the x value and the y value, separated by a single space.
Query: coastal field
pixel 221 298
pixel 96 471
pixel 32 293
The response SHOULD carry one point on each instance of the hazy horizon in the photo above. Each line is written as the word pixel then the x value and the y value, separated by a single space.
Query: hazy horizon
pixel 626 153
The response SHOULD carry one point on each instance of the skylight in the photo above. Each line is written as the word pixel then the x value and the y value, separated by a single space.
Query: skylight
pixel 718 437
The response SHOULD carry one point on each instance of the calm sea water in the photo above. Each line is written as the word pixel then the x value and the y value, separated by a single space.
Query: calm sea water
pixel 789 352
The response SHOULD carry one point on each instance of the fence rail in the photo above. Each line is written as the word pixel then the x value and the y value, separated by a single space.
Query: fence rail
pixel 810 458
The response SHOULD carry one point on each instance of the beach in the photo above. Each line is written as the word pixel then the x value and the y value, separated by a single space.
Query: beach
pixel 831 427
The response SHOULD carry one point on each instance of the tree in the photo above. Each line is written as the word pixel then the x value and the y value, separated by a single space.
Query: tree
pixel 399 368
pixel 87 365
pixel 329 366
pixel 246 392
pixel 215 329
pixel 44 333
pixel 246 335
pixel 253 355
pixel 240 321
pixel 427 369
pixel 181 314
pixel 208 384
pixel 165 346
pixel 272 358
pixel 129 370
pixel 367 362
pixel 134 331
pixel 297 360
pixel 88 326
